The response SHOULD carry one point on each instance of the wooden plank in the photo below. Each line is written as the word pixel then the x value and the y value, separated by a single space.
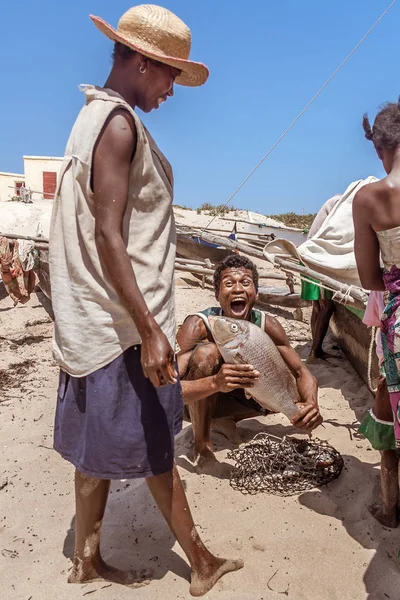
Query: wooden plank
pixel 14 236
pixel 285 300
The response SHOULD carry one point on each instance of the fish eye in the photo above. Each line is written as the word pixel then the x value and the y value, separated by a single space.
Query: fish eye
pixel 234 327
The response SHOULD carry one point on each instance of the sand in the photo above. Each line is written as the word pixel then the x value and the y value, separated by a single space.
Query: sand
pixel 320 545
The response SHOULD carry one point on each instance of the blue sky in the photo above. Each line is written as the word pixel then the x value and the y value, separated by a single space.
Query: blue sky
pixel 267 58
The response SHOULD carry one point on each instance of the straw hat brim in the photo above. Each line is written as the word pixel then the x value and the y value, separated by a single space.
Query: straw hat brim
pixel 192 74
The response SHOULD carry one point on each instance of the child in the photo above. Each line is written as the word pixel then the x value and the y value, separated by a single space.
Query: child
pixel 376 215
pixel 377 426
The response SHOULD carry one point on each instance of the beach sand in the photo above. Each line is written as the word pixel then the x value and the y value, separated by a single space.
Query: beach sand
pixel 320 545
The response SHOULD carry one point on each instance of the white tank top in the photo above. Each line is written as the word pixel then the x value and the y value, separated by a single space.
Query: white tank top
pixel 92 327
pixel 389 243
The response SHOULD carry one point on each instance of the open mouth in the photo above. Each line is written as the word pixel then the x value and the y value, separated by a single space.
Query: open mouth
pixel 238 307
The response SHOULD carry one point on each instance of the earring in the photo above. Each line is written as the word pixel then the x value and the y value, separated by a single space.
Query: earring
pixel 142 70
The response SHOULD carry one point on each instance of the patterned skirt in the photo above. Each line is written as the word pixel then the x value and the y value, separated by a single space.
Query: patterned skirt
pixel 390 328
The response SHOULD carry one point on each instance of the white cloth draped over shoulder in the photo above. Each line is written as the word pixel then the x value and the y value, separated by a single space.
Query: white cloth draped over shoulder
pixel 330 250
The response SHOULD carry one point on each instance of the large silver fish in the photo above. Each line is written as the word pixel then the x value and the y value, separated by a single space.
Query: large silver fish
pixel 242 342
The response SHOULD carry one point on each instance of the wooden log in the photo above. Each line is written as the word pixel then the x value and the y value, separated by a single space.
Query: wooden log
pixel 14 236
pixel 190 261
pixel 202 270
pixel 194 269
pixel 285 300
pixel 345 290
pixel 38 245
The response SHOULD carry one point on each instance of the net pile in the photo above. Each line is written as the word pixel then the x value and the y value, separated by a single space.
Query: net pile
pixel 283 467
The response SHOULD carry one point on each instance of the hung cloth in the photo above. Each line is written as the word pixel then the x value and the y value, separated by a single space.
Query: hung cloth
pixel 330 250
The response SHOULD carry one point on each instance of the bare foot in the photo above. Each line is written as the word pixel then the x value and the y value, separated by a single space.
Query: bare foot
pixel 206 463
pixel 204 456
pixel 385 519
pixel 315 357
pixel 98 570
pixel 228 428
pixel 203 580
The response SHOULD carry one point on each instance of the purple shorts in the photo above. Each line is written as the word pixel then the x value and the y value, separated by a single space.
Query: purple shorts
pixel 114 424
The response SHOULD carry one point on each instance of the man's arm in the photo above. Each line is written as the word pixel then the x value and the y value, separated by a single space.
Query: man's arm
pixel 110 176
pixel 192 332
pixel 229 377
pixel 309 417
pixel 366 245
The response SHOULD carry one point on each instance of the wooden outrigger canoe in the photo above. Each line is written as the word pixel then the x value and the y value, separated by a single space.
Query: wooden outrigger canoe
pixel 193 247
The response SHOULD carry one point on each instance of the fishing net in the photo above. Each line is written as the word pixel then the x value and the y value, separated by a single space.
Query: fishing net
pixel 283 467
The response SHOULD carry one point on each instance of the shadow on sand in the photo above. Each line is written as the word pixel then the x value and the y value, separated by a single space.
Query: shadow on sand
pixel 346 500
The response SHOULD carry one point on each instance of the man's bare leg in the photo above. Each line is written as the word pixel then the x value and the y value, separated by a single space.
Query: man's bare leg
pixel 320 328
pixel 91 498
pixel 314 316
pixel 386 513
pixel 206 361
pixel 206 569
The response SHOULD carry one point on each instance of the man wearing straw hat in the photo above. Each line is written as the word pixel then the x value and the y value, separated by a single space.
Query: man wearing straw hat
pixel 112 252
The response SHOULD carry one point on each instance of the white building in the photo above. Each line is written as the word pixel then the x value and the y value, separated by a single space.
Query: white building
pixel 40 177
pixel 10 184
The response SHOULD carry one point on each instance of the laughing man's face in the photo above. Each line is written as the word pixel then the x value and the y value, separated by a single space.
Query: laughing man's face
pixel 237 293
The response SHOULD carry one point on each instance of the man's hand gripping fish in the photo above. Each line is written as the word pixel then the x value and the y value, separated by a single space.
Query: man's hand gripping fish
pixel 242 342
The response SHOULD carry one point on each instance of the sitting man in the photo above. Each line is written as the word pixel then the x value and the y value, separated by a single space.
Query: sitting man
pixel 214 391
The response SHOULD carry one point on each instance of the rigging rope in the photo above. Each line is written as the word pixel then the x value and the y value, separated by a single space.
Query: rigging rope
pixel 327 82
pixel 370 353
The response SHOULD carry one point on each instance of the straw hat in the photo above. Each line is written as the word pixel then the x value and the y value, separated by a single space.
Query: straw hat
pixel 157 33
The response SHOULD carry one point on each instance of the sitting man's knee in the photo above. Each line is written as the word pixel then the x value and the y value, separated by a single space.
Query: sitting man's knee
pixel 207 359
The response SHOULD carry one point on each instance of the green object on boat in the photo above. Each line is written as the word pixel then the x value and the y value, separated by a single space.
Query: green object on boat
pixel 359 312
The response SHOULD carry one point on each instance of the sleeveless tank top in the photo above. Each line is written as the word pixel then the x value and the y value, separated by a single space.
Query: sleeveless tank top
pixel 92 327
pixel 257 316
pixel 389 243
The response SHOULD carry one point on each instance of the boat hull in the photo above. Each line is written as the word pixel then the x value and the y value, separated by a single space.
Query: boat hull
pixel 354 339
pixel 294 236
pixel 189 247
pixel 43 271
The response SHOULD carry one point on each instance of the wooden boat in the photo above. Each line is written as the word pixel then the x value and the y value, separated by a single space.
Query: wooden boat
pixel 354 339
pixel 42 268
pixel 254 226
pixel 191 246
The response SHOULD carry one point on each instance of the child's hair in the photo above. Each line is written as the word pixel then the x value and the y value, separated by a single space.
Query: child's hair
pixel 385 132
